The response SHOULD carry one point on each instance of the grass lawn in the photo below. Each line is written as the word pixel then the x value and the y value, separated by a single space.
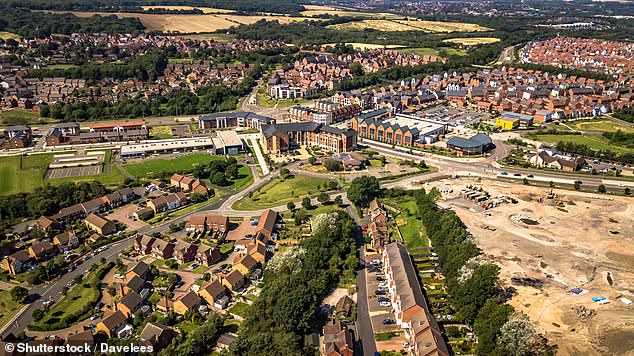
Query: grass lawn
pixel 385 336
pixel 152 167
pixel 453 51
pixel 226 247
pixel 8 307
pixel 240 309
pixel 421 51
pixel 410 226
pixel 266 101
pixel 180 60
pixel 316 210
pixel 279 192
pixel 161 132
pixel 9 35
pixel 61 66
pixel 596 142
pixel 245 178
pixel 376 163
pixel 187 209
pixel 601 125
pixel 18 117
pixel 78 302
pixel 14 179
pixel 318 168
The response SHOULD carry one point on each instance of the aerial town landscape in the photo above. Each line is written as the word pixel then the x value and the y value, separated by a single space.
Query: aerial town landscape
pixel 316 177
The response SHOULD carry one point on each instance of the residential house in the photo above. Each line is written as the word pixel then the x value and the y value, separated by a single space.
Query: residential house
pixel 245 264
pixel 141 270
pixel 337 340
pixel 42 251
pixel 188 302
pixel 16 263
pixel 143 244
pixel 266 225
pixel 208 255
pixel 99 224
pixel 162 249
pixel 129 303
pixel 215 294
pixel 257 252
pixel 156 335
pixel 66 241
pixel 184 251
pixel 234 281
pixel 46 223
pixel 112 324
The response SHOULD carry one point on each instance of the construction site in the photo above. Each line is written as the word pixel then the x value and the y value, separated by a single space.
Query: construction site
pixel 566 258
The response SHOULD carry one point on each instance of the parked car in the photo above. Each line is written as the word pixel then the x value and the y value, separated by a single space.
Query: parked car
pixel 384 304
pixel 119 276
pixel 94 316
pixel 388 321
pixel 504 174
pixel 530 176
pixel 48 302
pixel 379 292
pixel 71 283
pixel 380 279
pixel 383 299
pixel 517 175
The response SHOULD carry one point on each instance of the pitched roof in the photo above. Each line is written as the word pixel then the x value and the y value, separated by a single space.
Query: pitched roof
pixel 131 300
pixel 405 277
pixel 113 320
pixel 153 330
pixel 97 220
pixel 190 299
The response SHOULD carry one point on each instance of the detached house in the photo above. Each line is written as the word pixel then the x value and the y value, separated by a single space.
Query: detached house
pixel 66 241
pixel 214 293
pixel 16 263
pixel 100 225
pixel 42 251
pixel 188 302
pixel 233 281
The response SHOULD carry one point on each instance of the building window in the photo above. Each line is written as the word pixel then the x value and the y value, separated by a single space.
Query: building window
pixel 372 132
pixel 398 138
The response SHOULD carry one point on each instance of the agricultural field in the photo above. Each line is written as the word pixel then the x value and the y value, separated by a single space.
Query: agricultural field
pixel 22 173
pixel 206 10
pixel 421 51
pixel 8 35
pixel 409 25
pixel 191 23
pixel 316 10
pixel 281 192
pixel 600 125
pixel 472 41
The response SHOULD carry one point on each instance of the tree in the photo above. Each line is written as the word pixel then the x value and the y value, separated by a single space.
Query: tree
pixel 323 198
pixel 627 191
pixel 488 323
pixel 301 216
pixel 577 185
pixel 231 171
pixel 356 69
pixel 290 205
pixel 218 178
pixel 551 184
pixel 312 160
pixel 333 165
pixel 602 189
pixel 363 189
pixel 306 203
pixel 197 198
pixel 19 294
pixel 38 314
pixel 284 172
pixel 519 337
pixel 338 200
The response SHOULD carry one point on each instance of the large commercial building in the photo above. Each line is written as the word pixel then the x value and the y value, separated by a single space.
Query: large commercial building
pixel 277 138
pixel 233 119
pixel 405 130
pixel 475 145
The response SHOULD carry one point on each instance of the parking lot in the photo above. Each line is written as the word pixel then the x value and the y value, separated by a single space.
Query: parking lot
pixel 454 117
pixel 379 314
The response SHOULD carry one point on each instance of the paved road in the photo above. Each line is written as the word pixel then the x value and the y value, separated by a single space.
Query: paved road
pixel 54 291
pixel 364 322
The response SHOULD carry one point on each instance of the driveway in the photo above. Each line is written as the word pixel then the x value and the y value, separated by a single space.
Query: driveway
pixel 122 215
pixel 244 228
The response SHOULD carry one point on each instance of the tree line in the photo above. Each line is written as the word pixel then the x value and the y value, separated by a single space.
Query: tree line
pixel 295 283
pixel 626 114
pixel 268 6
pixel 584 150
pixel 16 19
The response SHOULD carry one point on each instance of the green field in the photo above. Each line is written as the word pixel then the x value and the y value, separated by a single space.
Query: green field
pixel 595 142
pixel 245 178
pixel 78 302
pixel 421 51
pixel 281 192
pixel 18 117
pixel 8 307
pixel 15 180
pixel 9 35
pixel 266 101
pixel 320 209
pixel 453 51
pixel 600 125
pixel 149 168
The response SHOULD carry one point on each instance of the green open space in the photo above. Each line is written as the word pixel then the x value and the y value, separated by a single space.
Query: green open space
pixel 149 168
pixel 453 51
pixel 77 305
pixel 111 176
pixel 22 173
pixel 596 142
pixel 421 51
pixel 266 101
pixel 279 192
pixel 386 335
pixel 409 224
pixel 245 178
pixel 600 125
pixel 18 117
pixel 9 35
pixel 240 309
pixel 8 307
pixel 315 210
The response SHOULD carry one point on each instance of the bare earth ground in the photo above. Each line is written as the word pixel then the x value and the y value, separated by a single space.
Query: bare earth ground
pixel 577 241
